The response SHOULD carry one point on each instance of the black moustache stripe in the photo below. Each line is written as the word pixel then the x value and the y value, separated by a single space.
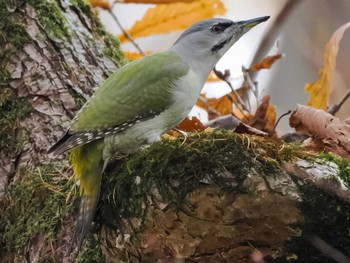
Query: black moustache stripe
pixel 220 45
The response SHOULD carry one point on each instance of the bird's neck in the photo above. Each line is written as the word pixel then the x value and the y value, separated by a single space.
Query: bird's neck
pixel 199 62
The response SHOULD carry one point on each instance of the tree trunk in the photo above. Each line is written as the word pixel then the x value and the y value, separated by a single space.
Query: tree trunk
pixel 53 54
pixel 214 197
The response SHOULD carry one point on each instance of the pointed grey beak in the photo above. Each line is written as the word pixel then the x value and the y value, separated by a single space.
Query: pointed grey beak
pixel 248 24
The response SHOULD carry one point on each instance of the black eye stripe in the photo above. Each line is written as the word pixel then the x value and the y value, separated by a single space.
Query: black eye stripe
pixel 220 27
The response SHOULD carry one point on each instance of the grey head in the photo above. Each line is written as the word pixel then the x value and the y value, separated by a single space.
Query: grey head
pixel 206 41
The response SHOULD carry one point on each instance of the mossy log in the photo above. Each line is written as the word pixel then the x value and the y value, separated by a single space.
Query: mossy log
pixel 214 197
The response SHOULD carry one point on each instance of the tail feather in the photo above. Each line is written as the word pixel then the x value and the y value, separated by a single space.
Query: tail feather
pixel 86 215
pixel 88 167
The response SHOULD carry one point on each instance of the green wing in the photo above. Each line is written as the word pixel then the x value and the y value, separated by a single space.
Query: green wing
pixel 138 88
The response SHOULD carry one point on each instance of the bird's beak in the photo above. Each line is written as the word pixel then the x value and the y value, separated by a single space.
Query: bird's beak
pixel 248 24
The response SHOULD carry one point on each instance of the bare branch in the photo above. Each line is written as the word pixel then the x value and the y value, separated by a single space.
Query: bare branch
pixel 336 107
pixel 279 119
pixel 224 77
pixel 126 33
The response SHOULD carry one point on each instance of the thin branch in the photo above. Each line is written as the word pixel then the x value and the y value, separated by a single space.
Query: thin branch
pixel 126 33
pixel 224 77
pixel 209 108
pixel 327 249
pixel 336 107
pixel 279 119
pixel 271 35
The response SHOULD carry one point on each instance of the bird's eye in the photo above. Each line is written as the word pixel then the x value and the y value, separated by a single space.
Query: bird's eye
pixel 216 28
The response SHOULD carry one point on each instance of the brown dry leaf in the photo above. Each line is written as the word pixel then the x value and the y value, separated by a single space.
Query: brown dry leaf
pixel 243 128
pixel 321 125
pixel 320 90
pixel 266 62
pixel 264 118
pixel 191 125
pixel 270 118
pixel 134 55
pixel 155 1
pixel 175 16
pixel 221 106
pixel 101 3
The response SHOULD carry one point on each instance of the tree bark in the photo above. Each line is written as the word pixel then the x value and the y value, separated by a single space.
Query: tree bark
pixel 53 54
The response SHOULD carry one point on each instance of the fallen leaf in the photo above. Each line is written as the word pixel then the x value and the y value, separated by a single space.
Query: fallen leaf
pixel 155 1
pixel 264 118
pixel 321 125
pixel 175 16
pixel 266 62
pixel 320 90
pixel 191 125
pixel 101 3
pixel 243 128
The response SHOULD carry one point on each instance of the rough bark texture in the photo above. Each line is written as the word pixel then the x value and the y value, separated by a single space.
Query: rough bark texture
pixel 213 198
pixel 53 54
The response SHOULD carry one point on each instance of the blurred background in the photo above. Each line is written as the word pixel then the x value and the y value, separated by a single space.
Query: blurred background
pixel 303 33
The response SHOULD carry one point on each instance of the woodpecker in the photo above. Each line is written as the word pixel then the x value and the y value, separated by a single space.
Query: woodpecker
pixel 141 101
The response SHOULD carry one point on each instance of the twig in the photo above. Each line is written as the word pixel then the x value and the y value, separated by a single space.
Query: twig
pixel 327 249
pixel 250 83
pixel 336 107
pixel 224 77
pixel 209 108
pixel 271 34
pixel 126 33
pixel 279 119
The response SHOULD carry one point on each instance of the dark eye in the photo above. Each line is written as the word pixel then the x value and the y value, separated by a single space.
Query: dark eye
pixel 216 28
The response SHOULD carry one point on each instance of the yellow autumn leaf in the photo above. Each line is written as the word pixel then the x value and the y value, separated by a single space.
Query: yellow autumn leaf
pixel 270 119
pixel 155 1
pixel 101 3
pixel 175 16
pixel 134 55
pixel 320 90
pixel 212 77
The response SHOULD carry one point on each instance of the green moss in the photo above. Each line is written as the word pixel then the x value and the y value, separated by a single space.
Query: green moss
pixel 112 45
pixel 91 254
pixel 79 99
pixel 113 50
pixel 343 165
pixel 35 205
pixel 50 17
pixel 175 169
pixel 273 152
pixel 326 217
pixel 12 31
pixel 12 109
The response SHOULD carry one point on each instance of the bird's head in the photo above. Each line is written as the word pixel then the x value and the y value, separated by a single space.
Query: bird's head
pixel 212 38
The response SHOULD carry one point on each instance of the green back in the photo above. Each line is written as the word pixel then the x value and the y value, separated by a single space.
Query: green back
pixel 139 87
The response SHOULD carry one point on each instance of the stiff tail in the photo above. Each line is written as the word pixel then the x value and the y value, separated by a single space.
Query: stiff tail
pixel 88 167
